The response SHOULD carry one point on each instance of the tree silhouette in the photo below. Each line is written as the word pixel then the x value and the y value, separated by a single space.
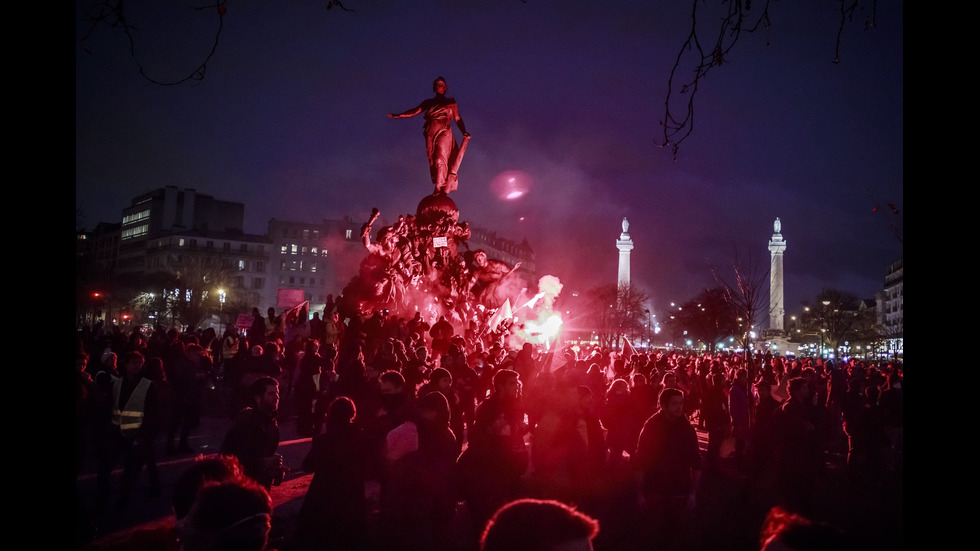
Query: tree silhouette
pixel 711 48
pixel 746 291
pixel 116 15
pixel 615 311
pixel 708 317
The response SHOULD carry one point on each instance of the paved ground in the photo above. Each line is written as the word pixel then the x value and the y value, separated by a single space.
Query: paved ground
pixel 728 515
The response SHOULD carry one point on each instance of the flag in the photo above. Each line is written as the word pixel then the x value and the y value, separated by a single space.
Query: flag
pixel 628 350
pixel 502 313
pixel 531 303
pixel 556 358
pixel 289 316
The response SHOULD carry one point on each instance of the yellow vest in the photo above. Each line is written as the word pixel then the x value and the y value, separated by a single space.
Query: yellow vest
pixel 130 418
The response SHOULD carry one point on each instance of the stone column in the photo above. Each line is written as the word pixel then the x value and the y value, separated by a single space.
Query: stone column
pixel 625 245
pixel 777 310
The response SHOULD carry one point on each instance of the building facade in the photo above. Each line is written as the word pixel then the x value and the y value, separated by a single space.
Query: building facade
pixel 891 309
pixel 315 260
pixel 171 211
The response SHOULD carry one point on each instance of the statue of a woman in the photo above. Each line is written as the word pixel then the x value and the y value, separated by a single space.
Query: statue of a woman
pixel 440 145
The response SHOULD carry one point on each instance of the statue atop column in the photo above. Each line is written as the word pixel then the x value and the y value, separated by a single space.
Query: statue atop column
pixel 444 154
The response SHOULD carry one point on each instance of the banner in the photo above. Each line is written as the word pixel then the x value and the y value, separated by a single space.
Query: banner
pixel 244 321
pixel 289 297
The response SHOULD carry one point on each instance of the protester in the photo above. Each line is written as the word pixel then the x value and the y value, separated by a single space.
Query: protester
pixel 254 437
pixel 537 525
pixel 437 498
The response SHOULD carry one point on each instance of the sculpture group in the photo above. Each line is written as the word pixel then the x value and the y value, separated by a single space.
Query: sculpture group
pixel 422 262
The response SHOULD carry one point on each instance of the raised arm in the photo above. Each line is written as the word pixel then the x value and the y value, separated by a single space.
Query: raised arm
pixel 410 113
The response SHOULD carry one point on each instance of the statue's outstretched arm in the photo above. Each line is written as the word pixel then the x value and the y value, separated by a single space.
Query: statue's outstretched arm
pixel 410 113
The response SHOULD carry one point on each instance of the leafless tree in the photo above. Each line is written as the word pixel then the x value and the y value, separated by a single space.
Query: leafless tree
pixel 702 51
pixel 708 317
pixel 116 15
pixel 190 282
pixel 616 311
pixel 746 290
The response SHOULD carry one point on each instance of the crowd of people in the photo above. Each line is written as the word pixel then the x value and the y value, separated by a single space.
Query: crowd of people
pixel 461 432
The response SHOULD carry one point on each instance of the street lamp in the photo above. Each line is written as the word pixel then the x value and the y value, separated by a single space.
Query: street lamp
pixel 221 307
pixel 826 305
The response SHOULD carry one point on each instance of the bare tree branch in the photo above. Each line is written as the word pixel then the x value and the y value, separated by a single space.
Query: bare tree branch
pixel 113 14
pixel 678 124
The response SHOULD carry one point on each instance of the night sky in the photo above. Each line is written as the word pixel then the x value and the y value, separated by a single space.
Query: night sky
pixel 290 119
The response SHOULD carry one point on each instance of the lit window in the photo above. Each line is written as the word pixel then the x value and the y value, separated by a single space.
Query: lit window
pixel 130 233
pixel 348 234
pixel 142 215
pixel 313 251
pixel 293 248
pixel 241 265
pixel 283 250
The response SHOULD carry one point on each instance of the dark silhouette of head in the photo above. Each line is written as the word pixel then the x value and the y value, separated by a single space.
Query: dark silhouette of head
pixel 537 525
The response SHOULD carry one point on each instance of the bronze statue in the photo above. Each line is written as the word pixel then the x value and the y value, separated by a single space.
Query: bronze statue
pixel 440 144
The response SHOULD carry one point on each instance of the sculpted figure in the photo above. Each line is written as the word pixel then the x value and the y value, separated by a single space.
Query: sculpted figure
pixel 444 155
pixel 388 268
pixel 493 281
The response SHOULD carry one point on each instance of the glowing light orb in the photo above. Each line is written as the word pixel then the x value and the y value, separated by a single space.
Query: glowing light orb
pixel 511 185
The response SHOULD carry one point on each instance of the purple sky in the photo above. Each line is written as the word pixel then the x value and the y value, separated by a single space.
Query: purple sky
pixel 290 120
